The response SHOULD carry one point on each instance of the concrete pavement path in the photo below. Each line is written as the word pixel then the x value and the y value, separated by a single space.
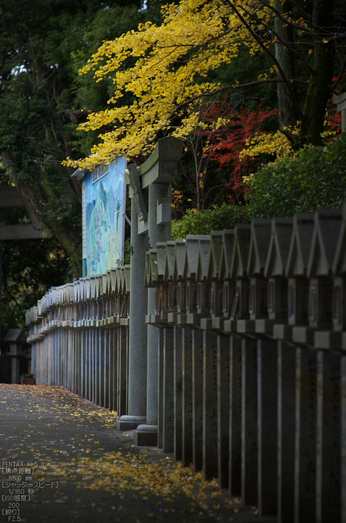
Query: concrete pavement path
pixel 63 461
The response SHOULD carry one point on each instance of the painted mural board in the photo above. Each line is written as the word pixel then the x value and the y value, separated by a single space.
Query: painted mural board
pixel 104 197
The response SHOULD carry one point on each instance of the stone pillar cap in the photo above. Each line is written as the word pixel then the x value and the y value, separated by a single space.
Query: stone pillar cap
pixel 279 247
pixel 203 258
pixel 15 336
pixel 170 260
pixel 226 254
pixel 191 260
pixel 339 265
pixel 114 281
pixel 167 153
pixel 161 248
pixel 151 275
pixel 179 259
pixel 324 242
pixel 242 236
pixel 261 230
pixel 127 277
pixel 299 250
pixel 214 262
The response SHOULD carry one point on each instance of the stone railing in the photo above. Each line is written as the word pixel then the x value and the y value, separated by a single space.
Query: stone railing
pixel 250 357
pixel 79 337
pixel 252 368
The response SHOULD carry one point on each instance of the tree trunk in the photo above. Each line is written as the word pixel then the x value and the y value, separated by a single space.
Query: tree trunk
pixel 62 234
pixel 287 99
pixel 319 89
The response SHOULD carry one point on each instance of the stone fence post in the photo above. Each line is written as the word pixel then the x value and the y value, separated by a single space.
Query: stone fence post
pixel 150 193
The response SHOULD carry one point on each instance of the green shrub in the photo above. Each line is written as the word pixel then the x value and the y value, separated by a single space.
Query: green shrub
pixel 314 178
pixel 214 219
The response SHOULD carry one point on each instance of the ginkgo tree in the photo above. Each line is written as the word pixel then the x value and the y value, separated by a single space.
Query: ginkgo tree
pixel 169 70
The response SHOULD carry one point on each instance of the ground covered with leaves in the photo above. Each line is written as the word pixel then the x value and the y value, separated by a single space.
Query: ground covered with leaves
pixel 74 465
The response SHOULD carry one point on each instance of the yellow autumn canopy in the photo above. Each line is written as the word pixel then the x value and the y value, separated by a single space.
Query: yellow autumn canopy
pixel 168 79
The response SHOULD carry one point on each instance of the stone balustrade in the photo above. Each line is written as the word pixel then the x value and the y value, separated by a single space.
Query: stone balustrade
pixel 79 337
pixel 251 356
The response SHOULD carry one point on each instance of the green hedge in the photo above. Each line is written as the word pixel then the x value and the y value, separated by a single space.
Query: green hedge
pixel 214 219
pixel 314 178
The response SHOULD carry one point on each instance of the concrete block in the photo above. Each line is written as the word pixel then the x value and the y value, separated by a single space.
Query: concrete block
pixel 327 340
pixel 145 436
pixel 303 335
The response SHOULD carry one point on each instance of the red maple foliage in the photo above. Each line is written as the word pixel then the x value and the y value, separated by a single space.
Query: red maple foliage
pixel 226 143
pixel 334 119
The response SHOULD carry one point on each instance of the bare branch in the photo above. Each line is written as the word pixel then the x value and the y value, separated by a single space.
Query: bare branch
pixel 285 43
pixel 286 20
pixel 239 86
pixel 272 81
pixel 305 15
pixel 293 139
pixel 258 39
pixel 261 43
